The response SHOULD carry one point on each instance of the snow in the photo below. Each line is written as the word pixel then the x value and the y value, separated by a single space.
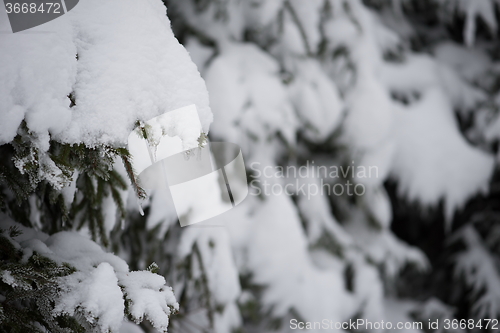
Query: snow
pixel 97 294
pixel 247 96
pixel 74 248
pixel 214 259
pixel 282 263
pixel 199 53
pixel 122 66
pixel 421 73
pixel 433 309
pixel 102 283
pixel 377 203
pixel 316 212
pixel 382 247
pixel 479 270
pixel 214 247
pixel 149 298
pixel 369 118
pixel 221 22
pixel 316 100
pixel 162 210
pixel 7 278
pixel 167 134
pixel 483 9
pixel 399 311
pixel 128 327
pixel 68 192
pixel 130 67
pixel 369 291
pixel 397 23
pixel 292 41
pixel 267 236
pixel 309 15
pixel 470 63
pixel 260 13
pixel 429 149
pixel 429 145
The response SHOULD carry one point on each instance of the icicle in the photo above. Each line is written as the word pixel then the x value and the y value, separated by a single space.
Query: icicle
pixel 140 207
pixel 122 222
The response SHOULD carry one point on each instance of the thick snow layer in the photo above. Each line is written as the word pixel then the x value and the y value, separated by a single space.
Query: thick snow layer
pixel 316 100
pixel 79 251
pixel 433 160
pixel 429 145
pixel 96 292
pixel 120 60
pixel 421 73
pixel 369 119
pixel 247 96
pixel 369 122
pixel 149 297
pixel 102 282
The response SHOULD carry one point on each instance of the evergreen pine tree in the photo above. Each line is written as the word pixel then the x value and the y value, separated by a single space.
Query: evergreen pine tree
pixel 409 87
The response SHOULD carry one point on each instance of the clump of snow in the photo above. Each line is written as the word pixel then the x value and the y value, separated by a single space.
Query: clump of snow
pixel 102 289
pixel 7 278
pixel 479 270
pixel 247 96
pixel 430 147
pixel 428 143
pixel 149 298
pixel 316 100
pixel 369 118
pixel 96 294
